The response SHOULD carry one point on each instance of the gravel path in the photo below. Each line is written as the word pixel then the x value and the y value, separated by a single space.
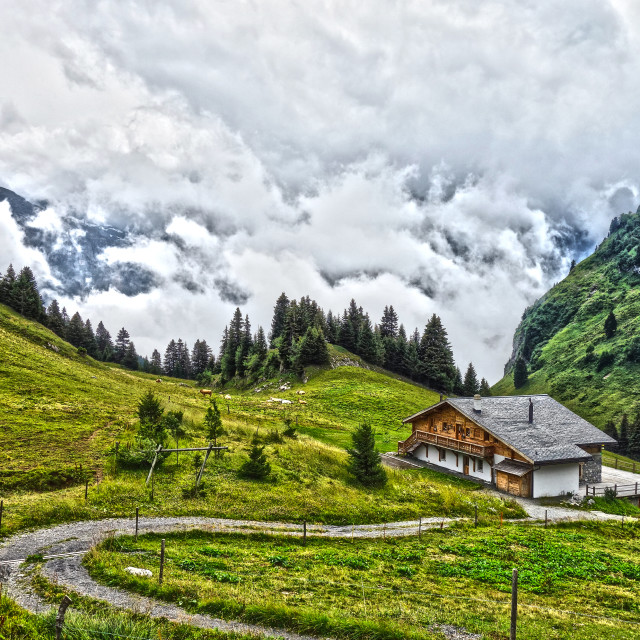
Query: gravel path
pixel 65 545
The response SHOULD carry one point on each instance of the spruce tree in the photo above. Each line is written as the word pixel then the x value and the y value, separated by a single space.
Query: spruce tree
pixel 183 362
pixel 364 461
pixel 611 430
pixel 7 288
pixel 75 331
pixel 634 438
pixel 200 357
pixel 389 323
pixel 485 389
pixel 623 439
pixel 27 298
pixel 156 363
pixel 213 423
pixel 332 328
pixel 257 467
pixel 610 325
pixel 150 414
pixel 171 358
pixel 104 342
pixel 520 374
pixel 470 384
pixel 89 340
pixel 458 384
pixel 279 317
pixel 130 359
pixel 366 346
pixel 54 319
pixel 122 342
pixel 436 357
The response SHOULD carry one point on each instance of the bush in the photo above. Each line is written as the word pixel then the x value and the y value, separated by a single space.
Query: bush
pixel 610 494
pixel 256 467
pixel 43 479
pixel 141 455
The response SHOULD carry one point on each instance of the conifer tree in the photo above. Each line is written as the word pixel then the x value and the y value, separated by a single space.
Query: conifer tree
pixel 257 467
pixel 75 331
pixel 27 298
pixel 634 438
pixel 130 359
pixel 244 348
pixel 611 430
pixel 200 357
pixel 279 318
pixel 54 319
pixel 122 342
pixel 411 361
pixel 471 386
pixel 213 423
pixel 104 342
pixel 520 374
pixel 332 328
pixel 485 389
pixel 150 414
pixel 389 323
pixel 364 461
pixel 89 340
pixel 366 346
pixel 436 357
pixel 623 439
pixel 156 363
pixel 183 362
pixel 7 288
pixel 458 384
pixel 171 358
pixel 610 325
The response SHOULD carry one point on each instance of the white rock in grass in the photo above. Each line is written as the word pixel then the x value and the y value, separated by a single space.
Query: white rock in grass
pixel 143 573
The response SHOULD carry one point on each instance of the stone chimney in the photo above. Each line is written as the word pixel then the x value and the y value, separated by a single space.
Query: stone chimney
pixel 441 397
pixel 477 403
pixel 530 411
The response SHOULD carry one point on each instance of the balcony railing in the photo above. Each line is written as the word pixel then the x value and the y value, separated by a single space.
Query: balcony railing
pixel 444 442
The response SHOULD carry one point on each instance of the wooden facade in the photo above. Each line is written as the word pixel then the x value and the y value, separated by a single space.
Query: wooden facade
pixel 447 428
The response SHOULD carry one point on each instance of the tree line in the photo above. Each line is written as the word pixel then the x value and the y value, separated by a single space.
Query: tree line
pixel 627 433
pixel 299 334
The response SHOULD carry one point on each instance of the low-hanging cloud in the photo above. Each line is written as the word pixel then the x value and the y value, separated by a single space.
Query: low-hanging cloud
pixel 447 157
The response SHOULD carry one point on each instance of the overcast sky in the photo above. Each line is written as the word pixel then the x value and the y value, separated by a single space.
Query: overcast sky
pixel 442 156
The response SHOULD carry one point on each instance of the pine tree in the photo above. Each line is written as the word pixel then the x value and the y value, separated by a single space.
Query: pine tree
pixel 279 317
pixel 520 374
pixel 333 328
pixel 244 348
pixel 75 330
pixel 104 342
pixel 27 299
pixel 7 288
pixel 611 430
pixel 89 341
pixel 470 384
pixel 171 358
pixel 436 357
pixel 485 389
pixel 389 323
pixel 311 349
pixel 623 439
pixel 183 362
pixel 122 342
pixel 54 319
pixel 156 363
pixel 411 362
pixel 213 423
pixel 610 325
pixel 150 414
pixel 130 359
pixel 257 467
pixel 364 461
pixel 200 357
pixel 348 335
pixel 458 384
pixel 366 347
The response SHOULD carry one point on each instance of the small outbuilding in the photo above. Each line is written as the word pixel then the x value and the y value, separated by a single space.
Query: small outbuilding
pixel 530 446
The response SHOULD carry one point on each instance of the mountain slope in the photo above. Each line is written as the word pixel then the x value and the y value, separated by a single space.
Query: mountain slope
pixel 562 336
pixel 58 408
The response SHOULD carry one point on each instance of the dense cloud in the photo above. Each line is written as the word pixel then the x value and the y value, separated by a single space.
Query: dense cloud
pixel 447 157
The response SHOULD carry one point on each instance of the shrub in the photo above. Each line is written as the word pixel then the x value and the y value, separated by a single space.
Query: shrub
pixel 256 467
pixel 606 359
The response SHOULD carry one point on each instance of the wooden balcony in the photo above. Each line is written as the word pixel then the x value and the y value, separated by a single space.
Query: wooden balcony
pixel 418 437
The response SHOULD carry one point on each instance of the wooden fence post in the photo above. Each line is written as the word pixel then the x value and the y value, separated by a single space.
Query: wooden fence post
pixel 66 601
pixel 1 510
pixel 616 463
pixel 475 523
pixel 304 533
pixel 137 513
pixel 160 575
pixel 545 518
pixel 514 604
pixel 420 527
pixel 86 491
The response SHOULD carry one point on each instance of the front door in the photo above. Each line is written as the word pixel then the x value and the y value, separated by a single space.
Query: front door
pixel 465 462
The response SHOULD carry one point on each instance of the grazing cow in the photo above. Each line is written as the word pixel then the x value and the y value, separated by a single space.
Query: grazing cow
pixel 285 402
pixel 302 401
pixel 205 392
pixel 300 393
pixel 159 380
pixel 227 397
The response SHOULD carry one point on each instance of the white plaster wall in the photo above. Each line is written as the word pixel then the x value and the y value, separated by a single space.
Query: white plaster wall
pixel 555 479
pixel 485 474
pixel 450 462
pixel 420 452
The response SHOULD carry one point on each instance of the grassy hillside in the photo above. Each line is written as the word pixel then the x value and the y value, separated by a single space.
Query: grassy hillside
pixel 562 336
pixel 58 410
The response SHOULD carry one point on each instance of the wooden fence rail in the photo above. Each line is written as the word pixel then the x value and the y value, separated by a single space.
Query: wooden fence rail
pixel 625 465
pixel 621 490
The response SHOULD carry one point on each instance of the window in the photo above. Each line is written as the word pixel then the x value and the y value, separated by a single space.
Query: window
pixel 481 465
pixel 487 437
pixel 468 432
pixel 443 454
pixel 456 459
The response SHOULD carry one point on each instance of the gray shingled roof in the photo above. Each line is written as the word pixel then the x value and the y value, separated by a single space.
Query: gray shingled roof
pixel 553 436
pixel 512 467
